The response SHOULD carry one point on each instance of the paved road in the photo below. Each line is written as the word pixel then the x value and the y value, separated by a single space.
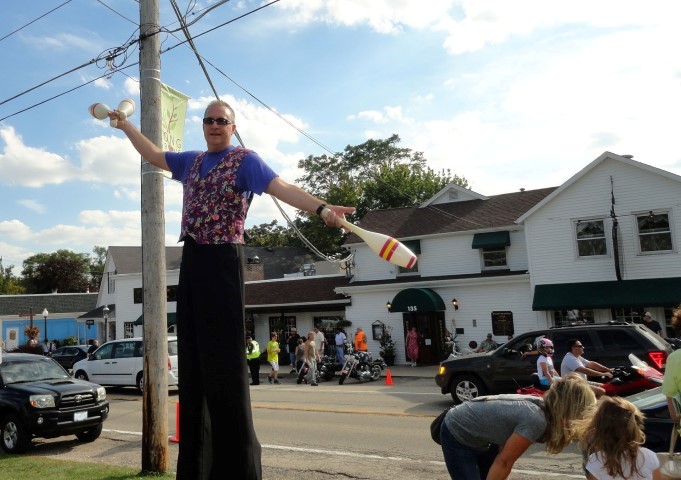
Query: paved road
pixel 390 450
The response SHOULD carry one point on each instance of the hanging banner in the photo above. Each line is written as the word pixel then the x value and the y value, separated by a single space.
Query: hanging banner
pixel 173 112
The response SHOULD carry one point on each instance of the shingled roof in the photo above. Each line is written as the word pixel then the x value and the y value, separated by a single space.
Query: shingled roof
pixel 129 259
pixel 496 211
pixel 56 303
pixel 299 294
pixel 276 261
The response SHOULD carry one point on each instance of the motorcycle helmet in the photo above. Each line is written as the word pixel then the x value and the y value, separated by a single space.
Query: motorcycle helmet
pixel 543 343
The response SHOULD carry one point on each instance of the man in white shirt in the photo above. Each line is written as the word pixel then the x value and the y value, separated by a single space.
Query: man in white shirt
pixel 575 362
pixel 319 341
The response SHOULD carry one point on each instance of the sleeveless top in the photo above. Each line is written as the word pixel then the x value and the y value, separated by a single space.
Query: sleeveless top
pixel 214 211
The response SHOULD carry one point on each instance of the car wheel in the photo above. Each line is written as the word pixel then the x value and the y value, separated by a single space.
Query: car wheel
pixel 13 434
pixel 466 387
pixel 90 435
pixel 140 382
pixel 81 375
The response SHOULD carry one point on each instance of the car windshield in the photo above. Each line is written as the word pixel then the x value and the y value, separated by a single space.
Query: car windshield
pixel 30 371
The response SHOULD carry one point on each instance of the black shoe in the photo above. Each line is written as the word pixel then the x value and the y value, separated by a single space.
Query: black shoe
pixel 292 371
pixel 269 379
pixel 299 381
pixel 277 381
pixel 315 385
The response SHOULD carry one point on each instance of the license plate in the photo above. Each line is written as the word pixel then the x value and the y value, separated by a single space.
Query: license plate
pixel 79 416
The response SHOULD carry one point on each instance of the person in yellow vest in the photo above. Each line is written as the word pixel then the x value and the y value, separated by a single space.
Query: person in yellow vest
pixel 253 359
pixel 360 341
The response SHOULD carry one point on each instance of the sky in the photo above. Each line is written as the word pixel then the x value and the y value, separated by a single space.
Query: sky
pixel 507 94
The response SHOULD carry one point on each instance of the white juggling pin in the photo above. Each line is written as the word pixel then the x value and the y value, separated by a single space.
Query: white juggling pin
pixel 101 110
pixel 386 247
pixel 126 108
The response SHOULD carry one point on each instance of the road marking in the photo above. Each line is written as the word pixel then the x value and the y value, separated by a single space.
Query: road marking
pixel 542 474
pixel 122 432
pixel 321 409
pixel 405 459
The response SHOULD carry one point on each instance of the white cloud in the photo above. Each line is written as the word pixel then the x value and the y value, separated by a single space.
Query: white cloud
pixel 32 205
pixel 30 166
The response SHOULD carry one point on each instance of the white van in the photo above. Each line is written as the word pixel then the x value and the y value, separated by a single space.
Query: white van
pixel 119 362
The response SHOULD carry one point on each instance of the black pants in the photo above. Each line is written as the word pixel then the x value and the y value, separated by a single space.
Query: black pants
pixel 214 394
pixel 254 367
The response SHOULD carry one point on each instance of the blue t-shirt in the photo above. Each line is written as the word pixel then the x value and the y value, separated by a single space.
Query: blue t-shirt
pixel 254 175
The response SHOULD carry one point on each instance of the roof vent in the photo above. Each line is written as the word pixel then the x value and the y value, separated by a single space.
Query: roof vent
pixel 628 156
pixel 522 189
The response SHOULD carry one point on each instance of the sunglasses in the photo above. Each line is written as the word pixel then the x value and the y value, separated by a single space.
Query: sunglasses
pixel 219 121
pixel 579 346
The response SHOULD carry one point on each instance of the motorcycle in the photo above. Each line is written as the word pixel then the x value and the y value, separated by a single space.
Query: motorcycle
pixel 329 366
pixel 360 365
pixel 626 380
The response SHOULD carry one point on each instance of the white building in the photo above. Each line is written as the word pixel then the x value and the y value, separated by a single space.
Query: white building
pixel 502 264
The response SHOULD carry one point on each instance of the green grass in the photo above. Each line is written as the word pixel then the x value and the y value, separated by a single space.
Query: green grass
pixel 24 467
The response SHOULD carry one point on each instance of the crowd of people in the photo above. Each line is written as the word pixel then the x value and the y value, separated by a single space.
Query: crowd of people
pixel 304 353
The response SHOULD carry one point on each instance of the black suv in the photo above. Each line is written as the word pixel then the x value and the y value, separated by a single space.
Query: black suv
pixel 38 398
pixel 504 369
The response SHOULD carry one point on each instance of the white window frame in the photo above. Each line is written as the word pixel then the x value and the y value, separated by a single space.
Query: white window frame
pixel 604 238
pixel 128 329
pixel 640 235
pixel 487 252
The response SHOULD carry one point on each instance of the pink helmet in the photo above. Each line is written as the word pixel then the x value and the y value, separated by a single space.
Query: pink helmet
pixel 543 344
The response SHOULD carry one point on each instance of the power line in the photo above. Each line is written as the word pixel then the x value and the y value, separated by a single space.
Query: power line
pixel 117 13
pixel 64 93
pixel 35 20
pixel 111 56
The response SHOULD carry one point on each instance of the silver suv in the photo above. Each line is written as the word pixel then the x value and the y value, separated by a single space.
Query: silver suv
pixel 120 363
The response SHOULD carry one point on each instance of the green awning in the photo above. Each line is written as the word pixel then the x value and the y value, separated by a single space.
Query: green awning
pixel 172 319
pixel 491 240
pixel 641 293
pixel 417 300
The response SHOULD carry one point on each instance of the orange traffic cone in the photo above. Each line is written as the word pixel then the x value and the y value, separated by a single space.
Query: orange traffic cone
pixel 176 438
pixel 388 378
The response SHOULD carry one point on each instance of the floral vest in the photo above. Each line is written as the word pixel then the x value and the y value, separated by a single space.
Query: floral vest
pixel 214 211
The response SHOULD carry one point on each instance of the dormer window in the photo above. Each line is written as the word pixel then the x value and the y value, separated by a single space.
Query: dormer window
pixel 492 246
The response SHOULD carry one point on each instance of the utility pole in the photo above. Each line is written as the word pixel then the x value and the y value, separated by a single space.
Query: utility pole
pixel 155 395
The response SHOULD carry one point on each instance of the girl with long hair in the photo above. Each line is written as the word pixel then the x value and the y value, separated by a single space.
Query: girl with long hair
pixel 612 441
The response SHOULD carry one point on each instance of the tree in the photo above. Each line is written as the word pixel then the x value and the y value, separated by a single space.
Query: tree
pixel 9 284
pixel 64 271
pixel 97 267
pixel 272 235
pixel 375 175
